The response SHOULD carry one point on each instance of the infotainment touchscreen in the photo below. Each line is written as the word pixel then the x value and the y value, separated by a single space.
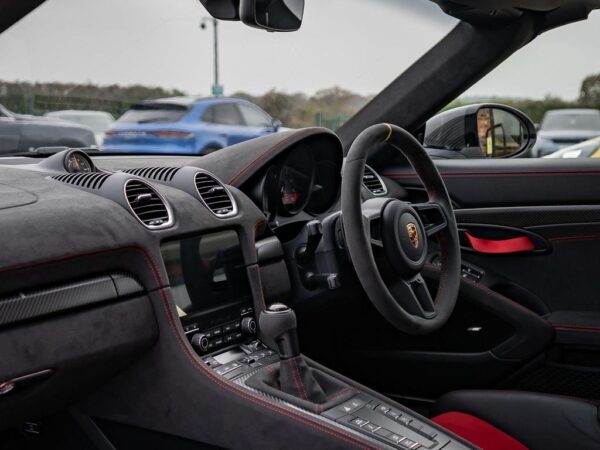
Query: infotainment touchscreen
pixel 206 272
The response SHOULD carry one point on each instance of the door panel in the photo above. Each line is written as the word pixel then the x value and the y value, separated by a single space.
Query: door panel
pixel 556 203
pixel 514 182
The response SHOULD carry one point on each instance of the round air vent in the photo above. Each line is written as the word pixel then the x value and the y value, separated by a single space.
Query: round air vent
pixel 148 205
pixel 215 195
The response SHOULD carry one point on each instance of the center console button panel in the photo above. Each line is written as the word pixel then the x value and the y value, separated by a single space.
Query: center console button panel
pixel 383 422
pixel 240 360
pixel 229 333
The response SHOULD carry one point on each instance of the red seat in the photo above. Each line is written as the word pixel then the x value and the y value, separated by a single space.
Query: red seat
pixel 477 431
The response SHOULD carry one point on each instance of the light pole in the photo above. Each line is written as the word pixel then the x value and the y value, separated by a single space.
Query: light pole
pixel 217 89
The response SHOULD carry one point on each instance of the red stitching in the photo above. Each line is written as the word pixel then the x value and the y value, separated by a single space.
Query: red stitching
pixel 400 175
pixel 299 378
pixel 263 155
pixel 260 402
pixel 489 292
pixel 569 327
pixel 576 238
pixel 292 414
pixel 339 394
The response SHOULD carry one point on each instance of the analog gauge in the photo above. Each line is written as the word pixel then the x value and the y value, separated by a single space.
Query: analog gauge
pixel 295 181
pixel 78 162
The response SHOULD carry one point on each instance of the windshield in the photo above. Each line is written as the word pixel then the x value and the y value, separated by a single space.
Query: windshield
pixel 572 121
pixel 112 55
pixel 178 82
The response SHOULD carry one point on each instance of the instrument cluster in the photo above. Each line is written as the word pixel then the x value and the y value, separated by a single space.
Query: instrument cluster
pixel 305 180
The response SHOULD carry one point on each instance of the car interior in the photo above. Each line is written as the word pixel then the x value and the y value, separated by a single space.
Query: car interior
pixel 311 289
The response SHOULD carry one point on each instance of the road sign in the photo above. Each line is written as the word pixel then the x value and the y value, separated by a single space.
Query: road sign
pixel 217 90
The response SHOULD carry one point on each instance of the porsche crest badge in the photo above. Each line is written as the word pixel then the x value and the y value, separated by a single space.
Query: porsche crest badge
pixel 413 234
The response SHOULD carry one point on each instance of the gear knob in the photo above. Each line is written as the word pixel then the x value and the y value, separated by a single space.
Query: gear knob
pixel 278 326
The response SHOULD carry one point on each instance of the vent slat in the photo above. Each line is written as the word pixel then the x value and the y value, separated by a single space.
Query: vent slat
pixel 215 195
pixel 154 173
pixel 88 180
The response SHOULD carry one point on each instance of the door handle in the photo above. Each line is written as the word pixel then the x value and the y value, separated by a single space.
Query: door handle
pixel 501 246
pixel 500 240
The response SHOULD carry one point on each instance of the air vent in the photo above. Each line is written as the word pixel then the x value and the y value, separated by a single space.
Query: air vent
pixel 154 173
pixel 148 205
pixel 373 182
pixel 90 180
pixel 215 195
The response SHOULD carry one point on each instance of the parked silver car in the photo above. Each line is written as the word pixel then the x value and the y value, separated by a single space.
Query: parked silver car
pixel 564 127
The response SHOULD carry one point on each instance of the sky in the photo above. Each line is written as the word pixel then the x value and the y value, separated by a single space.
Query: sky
pixel 359 45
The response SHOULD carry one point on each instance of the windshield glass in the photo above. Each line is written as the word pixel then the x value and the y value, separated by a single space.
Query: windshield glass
pixel 110 55
pixel 572 121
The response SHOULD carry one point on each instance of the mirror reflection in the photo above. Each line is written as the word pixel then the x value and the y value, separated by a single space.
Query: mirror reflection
pixel 500 133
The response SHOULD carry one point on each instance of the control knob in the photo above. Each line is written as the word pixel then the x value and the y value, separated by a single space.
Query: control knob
pixel 248 325
pixel 200 342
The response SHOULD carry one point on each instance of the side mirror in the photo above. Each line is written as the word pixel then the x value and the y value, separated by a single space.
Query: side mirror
pixel 272 15
pixel 276 124
pixel 481 131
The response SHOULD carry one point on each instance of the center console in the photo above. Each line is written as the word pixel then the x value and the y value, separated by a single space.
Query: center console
pixel 210 286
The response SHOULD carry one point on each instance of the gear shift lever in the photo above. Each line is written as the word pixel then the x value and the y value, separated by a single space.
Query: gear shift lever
pixel 278 327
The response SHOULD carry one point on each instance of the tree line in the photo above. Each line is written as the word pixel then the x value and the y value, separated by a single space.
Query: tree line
pixel 328 107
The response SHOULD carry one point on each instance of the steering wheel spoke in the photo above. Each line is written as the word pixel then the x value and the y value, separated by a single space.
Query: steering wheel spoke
pixel 433 217
pixel 414 297
pixel 371 214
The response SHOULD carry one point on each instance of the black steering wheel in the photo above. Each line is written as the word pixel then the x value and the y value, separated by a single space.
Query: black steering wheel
pixel 402 229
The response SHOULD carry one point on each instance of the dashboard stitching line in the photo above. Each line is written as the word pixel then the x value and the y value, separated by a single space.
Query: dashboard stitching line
pixel 263 155
pixel 258 401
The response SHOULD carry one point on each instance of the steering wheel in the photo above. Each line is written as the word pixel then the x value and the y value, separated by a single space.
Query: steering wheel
pixel 402 229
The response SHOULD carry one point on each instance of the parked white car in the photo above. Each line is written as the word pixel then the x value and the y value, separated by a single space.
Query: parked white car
pixel 98 121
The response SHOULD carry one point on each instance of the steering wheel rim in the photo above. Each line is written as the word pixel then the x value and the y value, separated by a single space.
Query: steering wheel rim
pixel 411 313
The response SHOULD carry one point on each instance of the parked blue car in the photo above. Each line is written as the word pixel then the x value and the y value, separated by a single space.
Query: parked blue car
pixel 187 125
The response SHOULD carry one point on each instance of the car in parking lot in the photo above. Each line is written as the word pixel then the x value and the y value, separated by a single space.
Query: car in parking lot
pixel 564 127
pixel 98 121
pixel 23 132
pixel 585 149
pixel 187 125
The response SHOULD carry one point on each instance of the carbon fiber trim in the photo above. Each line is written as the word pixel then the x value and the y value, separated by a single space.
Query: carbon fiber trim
pixel 38 303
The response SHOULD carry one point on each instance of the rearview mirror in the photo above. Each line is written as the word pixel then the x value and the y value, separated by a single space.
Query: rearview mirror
pixel 272 15
pixel 481 131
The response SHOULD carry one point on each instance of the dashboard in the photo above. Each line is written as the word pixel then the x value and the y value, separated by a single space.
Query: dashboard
pixel 110 234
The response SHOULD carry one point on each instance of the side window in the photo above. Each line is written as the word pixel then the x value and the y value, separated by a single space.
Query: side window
pixel 254 117
pixel 223 114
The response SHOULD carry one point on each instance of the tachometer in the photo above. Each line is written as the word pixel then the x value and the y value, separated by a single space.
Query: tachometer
pixel 78 162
